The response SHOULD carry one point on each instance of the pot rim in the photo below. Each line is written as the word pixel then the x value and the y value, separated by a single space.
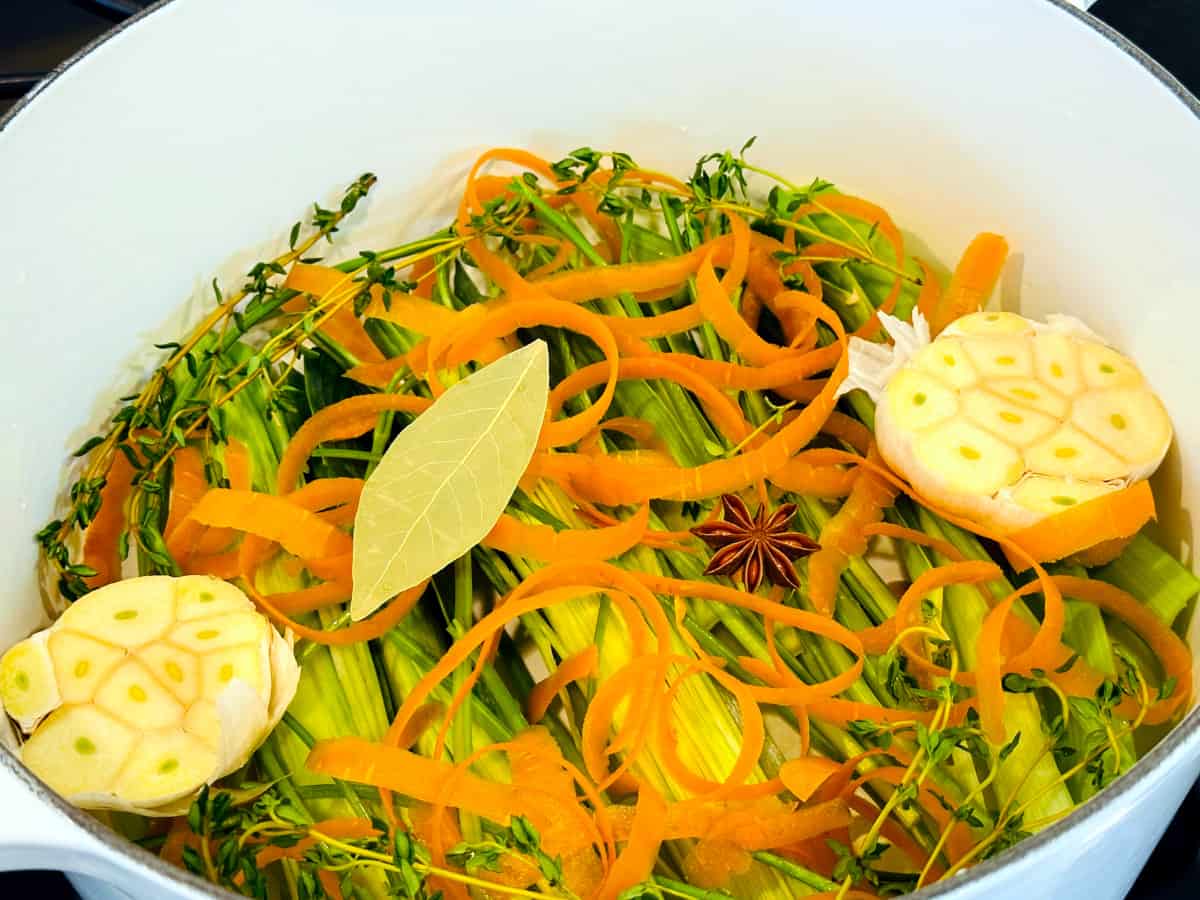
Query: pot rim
pixel 1185 736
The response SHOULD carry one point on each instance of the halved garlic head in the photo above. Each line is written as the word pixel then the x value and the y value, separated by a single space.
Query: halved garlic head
pixel 1007 420
pixel 147 689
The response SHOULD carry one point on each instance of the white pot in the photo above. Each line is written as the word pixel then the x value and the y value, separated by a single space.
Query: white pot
pixel 206 127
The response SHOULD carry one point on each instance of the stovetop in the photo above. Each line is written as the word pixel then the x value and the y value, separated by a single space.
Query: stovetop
pixel 36 35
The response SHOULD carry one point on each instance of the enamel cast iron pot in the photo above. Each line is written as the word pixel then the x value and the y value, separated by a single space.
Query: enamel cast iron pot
pixel 203 128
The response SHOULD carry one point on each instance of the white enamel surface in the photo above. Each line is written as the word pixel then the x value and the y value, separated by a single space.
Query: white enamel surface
pixel 208 127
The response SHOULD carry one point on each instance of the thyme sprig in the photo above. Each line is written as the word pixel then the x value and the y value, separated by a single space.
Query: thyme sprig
pixel 228 838
pixel 153 422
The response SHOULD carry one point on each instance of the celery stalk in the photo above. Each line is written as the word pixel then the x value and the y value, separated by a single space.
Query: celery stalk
pixel 1154 576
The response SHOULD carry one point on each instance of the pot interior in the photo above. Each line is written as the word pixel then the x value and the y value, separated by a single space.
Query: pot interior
pixel 182 148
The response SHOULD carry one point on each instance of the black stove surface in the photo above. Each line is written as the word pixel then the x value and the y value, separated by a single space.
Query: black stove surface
pixel 38 34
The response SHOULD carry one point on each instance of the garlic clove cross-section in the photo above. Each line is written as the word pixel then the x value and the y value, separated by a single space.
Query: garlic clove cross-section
pixel 146 690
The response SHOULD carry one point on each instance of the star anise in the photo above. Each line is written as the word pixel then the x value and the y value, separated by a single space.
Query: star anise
pixel 758 546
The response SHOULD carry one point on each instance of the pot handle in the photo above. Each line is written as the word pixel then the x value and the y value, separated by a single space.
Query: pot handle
pixel 36 835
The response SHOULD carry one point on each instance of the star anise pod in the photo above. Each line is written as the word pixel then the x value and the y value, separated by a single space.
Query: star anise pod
pixel 758 546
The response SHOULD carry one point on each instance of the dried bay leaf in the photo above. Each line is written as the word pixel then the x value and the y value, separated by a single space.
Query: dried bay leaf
pixel 447 477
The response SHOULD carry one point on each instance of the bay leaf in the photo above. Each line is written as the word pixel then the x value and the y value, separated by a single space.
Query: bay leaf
pixel 447 477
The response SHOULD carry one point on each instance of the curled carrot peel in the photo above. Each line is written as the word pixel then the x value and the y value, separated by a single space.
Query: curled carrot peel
pixel 101 541
pixel 194 547
pixel 781 376
pixel 297 530
pixel 1167 646
pixel 912 536
pixel 930 296
pixel 632 683
pixel 751 741
pixel 412 311
pixel 188 485
pixel 1108 517
pixel 674 322
pixel 562 252
pixel 486 653
pixel 554 584
pixel 330 884
pixel 332 568
pixel 636 861
pixel 268 520
pixel 669 275
pixel 573 668
pixel 506 318
pixel 713 300
pixel 840 712
pixel 535 759
pixel 794 693
pixel 565 826
pixel 892 832
pixel 751 309
pixel 537 541
pixel 713 863
pixel 345 419
pixel 416 776
pixel 763 823
pixel 309 599
pixel 448 785
pixel 615 484
pixel 582 285
pixel 994 662
pixel 844 536
pixel 343 326
pixel 668 540
pixel 219 565
pixel 989 670
pixel 845 204
pixel 426 716
pixel 725 413
pixel 238 465
pixel 804 775
pixel 849 431
pixel 770 823
pixel 378 625
pixel 973 280
pixel 326 494
pixel 1048 636
pixel 880 638
pixel 641 431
